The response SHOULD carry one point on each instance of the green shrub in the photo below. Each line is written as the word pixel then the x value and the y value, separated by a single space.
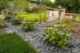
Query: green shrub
pixel 16 21
pixel 34 9
pixel 8 17
pixel 58 35
pixel 27 26
pixel 2 24
pixel 69 23
pixel 13 43
pixel 43 17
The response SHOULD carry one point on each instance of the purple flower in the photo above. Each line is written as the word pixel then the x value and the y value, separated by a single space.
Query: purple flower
pixel 59 25
pixel 65 28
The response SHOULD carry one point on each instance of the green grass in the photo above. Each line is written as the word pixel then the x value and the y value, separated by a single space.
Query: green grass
pixel 34 17
pixel 13 43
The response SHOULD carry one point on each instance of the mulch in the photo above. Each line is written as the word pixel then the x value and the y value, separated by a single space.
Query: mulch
pixel 76 35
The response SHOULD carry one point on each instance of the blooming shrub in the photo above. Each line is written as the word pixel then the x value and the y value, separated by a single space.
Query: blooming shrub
pixel 57 35
pixel 27 26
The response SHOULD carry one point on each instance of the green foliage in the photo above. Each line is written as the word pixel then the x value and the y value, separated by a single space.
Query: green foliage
pixel 58 35
pixel 13 43
pixel 32 10
pixel 71 5
pixel 21 4
pixel 4 4
pixel 29 17
pixel 16 21
pixel 41 17
pixel 69 23
pixel 2 24
pixel 78 17
pixel 8 17
pixel 2 16
pixel 27 26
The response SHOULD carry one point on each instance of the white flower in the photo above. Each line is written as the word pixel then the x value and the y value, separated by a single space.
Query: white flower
pixel 69 34
pixel 62 33
pixel 23 22
pixel 65 28
pixel 55 29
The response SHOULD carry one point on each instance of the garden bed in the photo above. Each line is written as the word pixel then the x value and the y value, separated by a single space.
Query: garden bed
pixel 37 41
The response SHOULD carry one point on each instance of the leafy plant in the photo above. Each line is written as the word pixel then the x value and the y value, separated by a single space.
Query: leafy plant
pixel 21 4
pixel 9 16
pixel 2 24
pixel 58 35
pixel 43 17
pixel 27 26
pixel 16 21
pixel 4 4
pixel 68 23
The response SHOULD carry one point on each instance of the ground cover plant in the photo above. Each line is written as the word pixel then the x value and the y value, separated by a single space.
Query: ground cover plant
pixel 29 17
pixel 41 17
pixel 8 17
pixel 57 35
pixel 2 24
pixel 69 23
pixel 13 43
pixel 16 21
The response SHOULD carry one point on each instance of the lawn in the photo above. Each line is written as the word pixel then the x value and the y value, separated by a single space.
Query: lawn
pixel 13 43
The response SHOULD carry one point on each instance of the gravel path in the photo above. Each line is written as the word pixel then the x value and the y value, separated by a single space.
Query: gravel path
pixel 36 40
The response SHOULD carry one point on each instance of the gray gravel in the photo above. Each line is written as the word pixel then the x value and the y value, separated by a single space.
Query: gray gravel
pixel 36 40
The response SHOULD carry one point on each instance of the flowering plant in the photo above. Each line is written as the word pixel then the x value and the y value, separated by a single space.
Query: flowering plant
pixel 57 35
pixel 27 26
